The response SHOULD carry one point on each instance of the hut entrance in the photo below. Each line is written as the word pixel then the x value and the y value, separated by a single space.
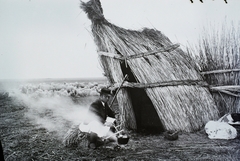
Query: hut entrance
pixel 146 116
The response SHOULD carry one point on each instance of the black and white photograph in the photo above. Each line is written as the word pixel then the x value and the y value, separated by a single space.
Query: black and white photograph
pixel 120 80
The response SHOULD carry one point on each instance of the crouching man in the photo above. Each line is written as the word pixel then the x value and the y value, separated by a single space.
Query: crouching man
pixel 97 127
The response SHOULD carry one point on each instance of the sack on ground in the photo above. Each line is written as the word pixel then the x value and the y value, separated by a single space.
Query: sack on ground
pixel 220 130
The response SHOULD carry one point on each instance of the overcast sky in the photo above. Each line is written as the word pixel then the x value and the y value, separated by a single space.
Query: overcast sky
pixel 52 39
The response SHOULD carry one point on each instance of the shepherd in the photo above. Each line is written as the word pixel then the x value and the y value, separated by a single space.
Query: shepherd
pixel 98 127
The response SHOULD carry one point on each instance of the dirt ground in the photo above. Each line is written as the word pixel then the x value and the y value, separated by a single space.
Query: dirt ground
pixel 22 140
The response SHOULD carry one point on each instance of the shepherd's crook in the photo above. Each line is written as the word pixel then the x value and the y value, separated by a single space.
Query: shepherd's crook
pixel 118 90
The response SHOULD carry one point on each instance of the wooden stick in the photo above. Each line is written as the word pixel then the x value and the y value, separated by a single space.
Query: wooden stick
pixel 168 49
pixel 220 71
pixel 230 88
pixel 227 92
pixel 111 55
pixel 117 56
pixel 118 91
pixel 114 134
pixel 164 84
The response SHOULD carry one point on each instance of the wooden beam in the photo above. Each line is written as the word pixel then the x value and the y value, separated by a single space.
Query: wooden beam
pixel 228 87
pixel 117 56
pixel 227 92
pixel 163 84
pixel 220 71
pixel 167 49
pixel 111 55
pixel 223 89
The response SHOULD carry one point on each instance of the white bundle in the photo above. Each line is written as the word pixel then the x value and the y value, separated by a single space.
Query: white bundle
pixel 95 127
pixel 220 130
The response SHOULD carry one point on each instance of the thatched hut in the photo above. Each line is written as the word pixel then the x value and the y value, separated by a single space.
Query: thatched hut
pixel 164 89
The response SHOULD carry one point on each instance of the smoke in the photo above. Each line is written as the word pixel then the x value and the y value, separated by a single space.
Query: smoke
pixel 55 114
pixel 54 111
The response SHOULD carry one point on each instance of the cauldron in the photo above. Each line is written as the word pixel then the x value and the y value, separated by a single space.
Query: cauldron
pixel 170 135
pixel 122 139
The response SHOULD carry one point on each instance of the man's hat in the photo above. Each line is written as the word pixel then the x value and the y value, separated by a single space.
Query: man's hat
pixel 105 90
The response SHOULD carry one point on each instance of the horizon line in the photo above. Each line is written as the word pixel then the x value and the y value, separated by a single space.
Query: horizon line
pixel 60 78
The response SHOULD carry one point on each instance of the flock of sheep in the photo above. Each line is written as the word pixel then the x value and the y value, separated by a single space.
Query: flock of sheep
pixel 77 89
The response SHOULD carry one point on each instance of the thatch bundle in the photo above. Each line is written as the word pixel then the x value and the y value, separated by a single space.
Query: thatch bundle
pixel 219 52
pixel 170 80
pixel 74 136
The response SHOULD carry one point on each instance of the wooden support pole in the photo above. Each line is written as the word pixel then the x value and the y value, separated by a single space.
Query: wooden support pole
pixel 230 89
pixel 140 55
pixel 164 84
pixel 220 71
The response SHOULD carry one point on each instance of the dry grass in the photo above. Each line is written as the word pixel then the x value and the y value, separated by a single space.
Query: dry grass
pixel 185 107
pixel 73 136
pixel 219 59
